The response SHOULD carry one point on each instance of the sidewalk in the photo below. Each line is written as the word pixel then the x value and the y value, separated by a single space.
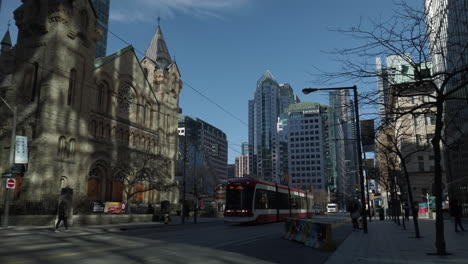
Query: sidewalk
pixel 386 242
pixel 175 220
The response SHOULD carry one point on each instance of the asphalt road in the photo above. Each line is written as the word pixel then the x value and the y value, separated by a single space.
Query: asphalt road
pixel 214 242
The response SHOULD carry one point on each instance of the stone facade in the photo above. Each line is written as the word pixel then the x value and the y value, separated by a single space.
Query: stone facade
pixel 82 114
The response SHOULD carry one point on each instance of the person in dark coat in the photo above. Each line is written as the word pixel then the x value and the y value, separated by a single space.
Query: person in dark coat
pixel 62 215
pixel 354 213
pixel 456 212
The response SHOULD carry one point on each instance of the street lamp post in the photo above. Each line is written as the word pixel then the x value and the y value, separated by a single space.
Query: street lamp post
pixel 358 139
pixel 6 208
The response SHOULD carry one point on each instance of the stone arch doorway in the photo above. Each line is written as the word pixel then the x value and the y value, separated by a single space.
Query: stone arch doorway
pixel 101 185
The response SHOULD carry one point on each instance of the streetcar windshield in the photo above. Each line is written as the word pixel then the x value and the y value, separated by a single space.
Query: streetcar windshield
pixel 239 197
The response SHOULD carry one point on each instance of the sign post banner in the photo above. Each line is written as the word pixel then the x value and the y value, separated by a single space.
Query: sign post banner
pixel 114 207
pixel 21 150
pixel 10 183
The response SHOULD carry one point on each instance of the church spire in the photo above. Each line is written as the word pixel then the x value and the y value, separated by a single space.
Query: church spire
pixel 7 39
pixel 157 50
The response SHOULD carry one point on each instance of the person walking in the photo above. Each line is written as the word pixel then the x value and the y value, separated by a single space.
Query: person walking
pixel 62 215
pixel 456 212
pixel 354 212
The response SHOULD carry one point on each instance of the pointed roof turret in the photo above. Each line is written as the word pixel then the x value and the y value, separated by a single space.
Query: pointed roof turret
pixel 267 76
pixel 157 50
pixel 6 39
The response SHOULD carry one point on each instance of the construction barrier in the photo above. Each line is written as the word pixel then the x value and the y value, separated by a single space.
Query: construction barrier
pixel 311 232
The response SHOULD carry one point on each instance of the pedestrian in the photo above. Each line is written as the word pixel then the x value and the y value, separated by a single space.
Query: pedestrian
pixel 62 215
pixel 354 212
pixel 406 210
pixel 456 212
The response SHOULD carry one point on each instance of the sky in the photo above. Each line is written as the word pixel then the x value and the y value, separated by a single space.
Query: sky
pixel 222 47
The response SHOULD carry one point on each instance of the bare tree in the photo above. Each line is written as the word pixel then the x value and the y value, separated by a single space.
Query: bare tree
pixel 397 138
pixel 411 34
pixel 141 174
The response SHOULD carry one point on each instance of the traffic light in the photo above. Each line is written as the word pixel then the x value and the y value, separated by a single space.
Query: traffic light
pixel 356 187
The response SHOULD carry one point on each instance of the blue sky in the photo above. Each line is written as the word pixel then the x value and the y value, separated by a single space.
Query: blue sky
pixel 223 47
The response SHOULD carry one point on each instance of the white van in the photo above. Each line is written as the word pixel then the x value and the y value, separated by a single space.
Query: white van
pixel 332 208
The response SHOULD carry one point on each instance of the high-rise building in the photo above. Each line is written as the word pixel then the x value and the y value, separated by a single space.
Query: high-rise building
pixel 242 166
pixel 208 142
pixel 343 167
pixel 231 168
pixel 245 148
pixel 270 100
pixel 307 133
pixel 102 12
pixel 446 22
pixel 338 178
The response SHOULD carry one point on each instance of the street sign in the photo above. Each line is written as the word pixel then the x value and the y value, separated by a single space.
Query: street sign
pixel 21 150
pixel 10 183
pixel 7 175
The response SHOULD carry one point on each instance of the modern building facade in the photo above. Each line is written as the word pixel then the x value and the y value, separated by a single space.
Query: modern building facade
pixel 209 141
pixel 242 166
pixel 446 22
pixel 343 170
pixel 231 171
pixel 270 100
pixel 102 8
pixel 307 130
pixel 245 148
pixel 84 115
pixel 338 178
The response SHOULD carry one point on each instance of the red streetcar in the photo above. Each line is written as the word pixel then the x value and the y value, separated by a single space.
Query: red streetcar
pixel 254 201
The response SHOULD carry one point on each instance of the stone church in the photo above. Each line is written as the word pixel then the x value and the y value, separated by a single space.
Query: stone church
pixel 82 114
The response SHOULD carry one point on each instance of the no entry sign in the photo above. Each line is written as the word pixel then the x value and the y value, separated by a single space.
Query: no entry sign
pixel 11 183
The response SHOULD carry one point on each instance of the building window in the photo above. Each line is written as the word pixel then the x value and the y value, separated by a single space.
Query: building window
pixel 421 163
pixel 34 84
pixel 71 149
pixel 71 86
pixel 62 146
pixel 419 142
pixel 430 119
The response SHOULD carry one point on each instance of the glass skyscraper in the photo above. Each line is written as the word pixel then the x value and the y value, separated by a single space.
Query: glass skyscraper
pixel 102 11
pixel 270 100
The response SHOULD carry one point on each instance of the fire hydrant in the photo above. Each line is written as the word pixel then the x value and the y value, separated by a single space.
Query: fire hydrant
pixel 166 218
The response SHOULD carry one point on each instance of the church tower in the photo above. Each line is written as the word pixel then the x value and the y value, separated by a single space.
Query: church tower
pixel 163 74
pixel 53 66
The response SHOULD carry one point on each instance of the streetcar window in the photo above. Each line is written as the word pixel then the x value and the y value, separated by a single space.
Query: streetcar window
pixel 261 200
pixel 239 198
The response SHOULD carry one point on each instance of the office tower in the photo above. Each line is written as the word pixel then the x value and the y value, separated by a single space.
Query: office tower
pixel 102 11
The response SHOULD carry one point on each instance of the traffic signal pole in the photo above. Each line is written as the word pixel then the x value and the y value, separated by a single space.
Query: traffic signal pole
pixel 6 207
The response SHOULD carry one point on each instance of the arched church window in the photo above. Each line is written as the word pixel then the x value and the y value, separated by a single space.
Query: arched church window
pixel 62 145
pixel 145 70
pixel 34 83
pixel 63 182
pixel 71 86
pixel 71 149
pixel 100 97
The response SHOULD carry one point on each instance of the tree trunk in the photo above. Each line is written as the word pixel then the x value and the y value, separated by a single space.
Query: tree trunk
pixel 440 240
pixel 410 198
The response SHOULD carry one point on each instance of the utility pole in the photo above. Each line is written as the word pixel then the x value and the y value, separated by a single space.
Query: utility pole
pixel 185 171
pixel 6 208
pixel 195 192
